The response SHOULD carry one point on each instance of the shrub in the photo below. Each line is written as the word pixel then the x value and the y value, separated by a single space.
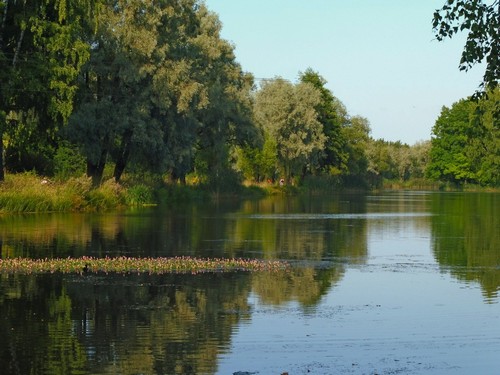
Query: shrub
pixel 139 194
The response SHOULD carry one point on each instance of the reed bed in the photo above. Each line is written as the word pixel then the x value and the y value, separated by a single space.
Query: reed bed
pixel 126 265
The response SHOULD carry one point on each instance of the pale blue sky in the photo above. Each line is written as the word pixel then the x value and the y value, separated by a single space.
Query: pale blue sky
pixel 379 57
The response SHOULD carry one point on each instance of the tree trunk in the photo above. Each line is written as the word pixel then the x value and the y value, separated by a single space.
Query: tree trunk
pixel 123 156
pixel 176 176
pixel 121 163
pixel 96 170
pixel 2 24
pixel 18 48
pixel 2 172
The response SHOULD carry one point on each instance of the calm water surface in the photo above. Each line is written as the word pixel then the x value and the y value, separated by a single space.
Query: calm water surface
pixel 390 283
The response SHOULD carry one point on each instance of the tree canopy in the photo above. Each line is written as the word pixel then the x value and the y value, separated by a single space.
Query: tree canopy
pixel 287 113
pixel 466 143
pixel 482 22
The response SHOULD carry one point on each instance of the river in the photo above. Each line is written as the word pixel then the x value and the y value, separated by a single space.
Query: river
pixel 382 283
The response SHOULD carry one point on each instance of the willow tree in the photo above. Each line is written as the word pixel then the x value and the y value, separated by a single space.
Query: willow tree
pixel 160 82
pixel 113 108
pixel 333 116
pixel 227 121
pixel 287 113
pixel 41 55
pixel 138 94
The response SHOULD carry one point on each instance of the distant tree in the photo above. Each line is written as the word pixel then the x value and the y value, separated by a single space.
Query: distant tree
pixel 287 113
pixel 332 114
pixel 357 135
pixel 482 21
pixel 402 160
pixel 380 160
pixel 419 155
pixel 394 160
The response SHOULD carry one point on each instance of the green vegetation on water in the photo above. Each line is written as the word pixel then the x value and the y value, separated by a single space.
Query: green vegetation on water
pixel 136 265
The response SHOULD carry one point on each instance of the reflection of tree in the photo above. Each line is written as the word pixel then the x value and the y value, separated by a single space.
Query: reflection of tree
pixel 305 285
pixel 173 324
pixel 108 324
pixel 466 239
pixel 321 245
pixel 180 230
pixel 36 320
pixel 222 230
pixel 226 229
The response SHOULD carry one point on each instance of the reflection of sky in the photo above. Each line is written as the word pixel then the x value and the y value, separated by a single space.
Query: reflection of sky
pixel 374 320
pixel 406 240
pixel 396 313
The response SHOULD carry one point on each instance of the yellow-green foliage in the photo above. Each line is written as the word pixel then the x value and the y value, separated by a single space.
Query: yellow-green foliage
pixel 108 195
pixel 30 193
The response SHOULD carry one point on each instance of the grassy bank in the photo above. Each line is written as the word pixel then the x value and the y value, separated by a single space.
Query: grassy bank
pixel 28 192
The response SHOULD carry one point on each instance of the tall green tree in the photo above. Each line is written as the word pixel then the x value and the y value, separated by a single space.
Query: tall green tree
pixel 466 142
pixel 160 86
pixel 449 159
pixel 113 118
pixel 228 120
pixel 258 164
pixel 178 90
pixel 332 114
pixel 287 113
pixel 482 22
pixel 484 139
pixel 40 57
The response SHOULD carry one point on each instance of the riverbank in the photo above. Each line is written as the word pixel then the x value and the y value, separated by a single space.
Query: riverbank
pixel 21 193
pixel 27 192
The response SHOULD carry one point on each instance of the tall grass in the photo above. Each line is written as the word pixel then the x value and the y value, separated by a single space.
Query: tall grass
pixel 30 193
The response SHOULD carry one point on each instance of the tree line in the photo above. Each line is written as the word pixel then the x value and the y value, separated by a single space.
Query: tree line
pixel 150 86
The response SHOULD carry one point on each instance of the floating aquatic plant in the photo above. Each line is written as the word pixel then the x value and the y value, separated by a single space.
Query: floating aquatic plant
pixel 137 265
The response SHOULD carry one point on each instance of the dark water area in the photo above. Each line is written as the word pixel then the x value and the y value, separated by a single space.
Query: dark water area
pixel 389 283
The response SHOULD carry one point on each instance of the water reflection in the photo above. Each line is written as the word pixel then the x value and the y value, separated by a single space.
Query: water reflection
pixel 466 238
pixel 214 231
pixel 175 324
pixel 182 324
